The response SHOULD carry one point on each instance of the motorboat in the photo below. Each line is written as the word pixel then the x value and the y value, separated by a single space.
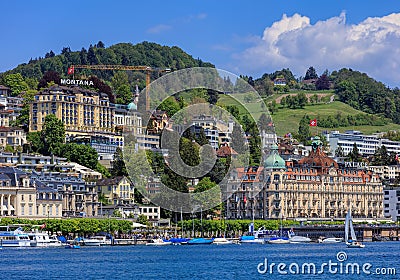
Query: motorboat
pixel 97 240
pixel 55 242
pixel 330 240
pixel 261 236
pixel 299 239
pixel 279 240
pixel 72 246
pixel 200 241
pixel 90 242
pixel 14 236
pixel 179 240
pixel 221 241
pixel 158 242
pixel 351 241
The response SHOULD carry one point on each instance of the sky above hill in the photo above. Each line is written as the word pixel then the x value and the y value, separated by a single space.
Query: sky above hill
pixel 243 37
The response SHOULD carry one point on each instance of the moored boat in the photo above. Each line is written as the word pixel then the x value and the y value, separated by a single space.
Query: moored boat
pixel 200 241
pixel 221 241
pixel 330 240
pixel 279 240
pixel 158 242
pixel 14 236
pixel 299 239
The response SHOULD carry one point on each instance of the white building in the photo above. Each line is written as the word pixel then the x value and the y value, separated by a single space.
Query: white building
pixel 366 144
pixel 391 203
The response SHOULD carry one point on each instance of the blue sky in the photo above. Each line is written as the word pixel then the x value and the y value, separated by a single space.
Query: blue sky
pixel 243 37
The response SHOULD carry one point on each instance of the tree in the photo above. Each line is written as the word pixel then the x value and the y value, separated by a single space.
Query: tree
pixel 322 83
pixel 304 129
pixel 237 139
pixel 311 74
pixel 16 83
pixel 53 134
pixel 264 122
pixel 123 94
pixel 49 76
pixel 35 140
pixel 118 164
pixel 339 152
pixel 301 99
pixel 354 155
pixel 81 154
pixel 170 106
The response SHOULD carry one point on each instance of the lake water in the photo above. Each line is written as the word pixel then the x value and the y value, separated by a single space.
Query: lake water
pixel 246 261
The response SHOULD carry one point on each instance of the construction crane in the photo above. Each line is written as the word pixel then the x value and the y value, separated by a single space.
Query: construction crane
pixel 147 69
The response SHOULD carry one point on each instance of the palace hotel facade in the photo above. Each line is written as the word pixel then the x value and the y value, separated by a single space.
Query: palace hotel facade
pixel 312 187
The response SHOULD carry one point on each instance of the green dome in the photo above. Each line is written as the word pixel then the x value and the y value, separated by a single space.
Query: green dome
pixel 274 160
pixel 132 106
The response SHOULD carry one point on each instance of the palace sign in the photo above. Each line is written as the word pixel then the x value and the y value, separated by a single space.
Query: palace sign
pixel 353 164
pixel 76 82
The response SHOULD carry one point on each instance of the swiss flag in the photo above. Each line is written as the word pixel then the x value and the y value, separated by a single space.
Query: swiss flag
pixel 71 70
pixel 313 122
pixel 244 199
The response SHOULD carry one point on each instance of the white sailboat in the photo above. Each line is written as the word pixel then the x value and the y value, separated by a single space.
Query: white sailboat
pixel 348 226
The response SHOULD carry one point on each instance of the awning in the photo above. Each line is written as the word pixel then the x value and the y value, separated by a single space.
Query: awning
pixel 4 208
pixel 11 207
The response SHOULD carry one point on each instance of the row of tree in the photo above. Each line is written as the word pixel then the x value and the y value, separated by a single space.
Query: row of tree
pixel 339 120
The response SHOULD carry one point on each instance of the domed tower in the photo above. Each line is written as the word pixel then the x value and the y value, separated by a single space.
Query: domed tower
pixel 274 160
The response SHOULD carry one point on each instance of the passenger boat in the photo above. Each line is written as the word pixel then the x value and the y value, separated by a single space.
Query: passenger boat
pixel 55 242
pixel 14 236
pixel 38 238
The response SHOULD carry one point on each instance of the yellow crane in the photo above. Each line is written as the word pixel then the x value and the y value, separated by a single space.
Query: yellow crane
pixel 147 69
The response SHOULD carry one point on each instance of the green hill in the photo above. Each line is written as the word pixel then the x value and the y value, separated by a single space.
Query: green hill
pixel 287 120
pixel 142 54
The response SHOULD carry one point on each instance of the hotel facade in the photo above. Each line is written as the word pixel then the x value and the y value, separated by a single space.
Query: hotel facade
pixel 313 187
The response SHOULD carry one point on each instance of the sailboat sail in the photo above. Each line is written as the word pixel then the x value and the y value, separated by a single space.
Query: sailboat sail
pixel 353 234
pixel 346 227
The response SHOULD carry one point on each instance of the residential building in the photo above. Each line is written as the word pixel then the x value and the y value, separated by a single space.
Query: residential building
pixel 79 197
pixel 49 202
pixel 12 136
pixel 17 195
pixel 117 190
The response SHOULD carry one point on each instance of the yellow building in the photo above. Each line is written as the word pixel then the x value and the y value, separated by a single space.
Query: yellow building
pixel 118 190
pixel 83 112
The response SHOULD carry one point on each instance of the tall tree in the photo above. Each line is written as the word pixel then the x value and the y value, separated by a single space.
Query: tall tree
pixel 311 74
pixel 238 139
pixel 118 164
pixel 53 134
pixel 304 129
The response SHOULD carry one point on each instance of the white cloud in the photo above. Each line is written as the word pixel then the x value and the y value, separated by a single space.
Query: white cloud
pixel 158 28
pixel 371 46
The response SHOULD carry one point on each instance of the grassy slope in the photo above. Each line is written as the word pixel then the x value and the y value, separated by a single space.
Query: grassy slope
pixel 287 120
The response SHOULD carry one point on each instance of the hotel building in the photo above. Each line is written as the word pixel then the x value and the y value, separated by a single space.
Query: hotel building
pixel 88 116
pixel 313 187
